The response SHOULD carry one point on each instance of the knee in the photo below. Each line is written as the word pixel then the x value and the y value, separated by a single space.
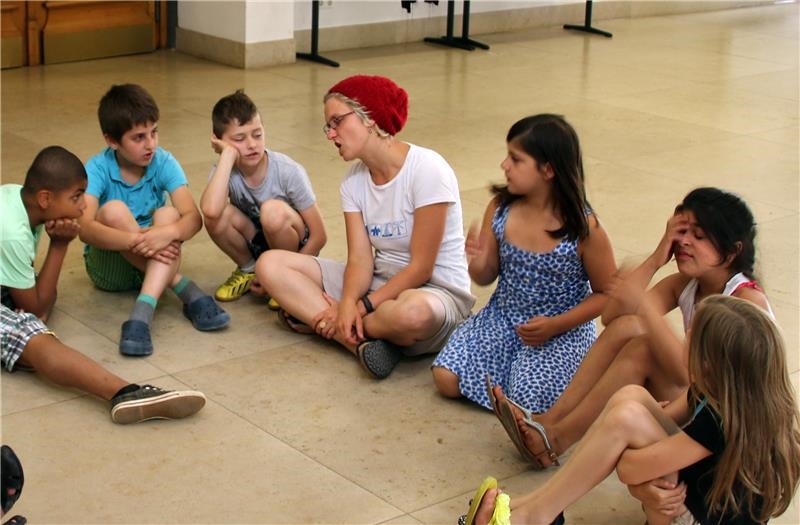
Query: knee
pixel 415 314
pixel 446 382
pixel 625 414
pixel 271 267
pixel 275 216
pixel 115 214
pixel 166 215
pixel 628 393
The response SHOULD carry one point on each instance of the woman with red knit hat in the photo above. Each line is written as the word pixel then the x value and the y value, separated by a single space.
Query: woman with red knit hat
pixel 405 285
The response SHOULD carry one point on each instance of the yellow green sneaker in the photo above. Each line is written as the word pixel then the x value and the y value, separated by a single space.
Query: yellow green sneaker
pixel 236 286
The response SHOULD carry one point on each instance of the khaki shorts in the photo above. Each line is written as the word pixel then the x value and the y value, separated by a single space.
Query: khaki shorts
pixel 454 306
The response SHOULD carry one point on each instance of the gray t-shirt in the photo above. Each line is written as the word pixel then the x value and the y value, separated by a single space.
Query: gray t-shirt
pixel 286 180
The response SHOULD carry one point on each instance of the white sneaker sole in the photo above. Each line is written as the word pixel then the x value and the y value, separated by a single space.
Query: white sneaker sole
pixel 171 405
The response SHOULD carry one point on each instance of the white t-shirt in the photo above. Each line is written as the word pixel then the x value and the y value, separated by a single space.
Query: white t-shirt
pixel 388 212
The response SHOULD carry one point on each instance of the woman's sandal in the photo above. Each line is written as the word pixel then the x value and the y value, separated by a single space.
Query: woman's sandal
pixel 293 324
pixel 505 414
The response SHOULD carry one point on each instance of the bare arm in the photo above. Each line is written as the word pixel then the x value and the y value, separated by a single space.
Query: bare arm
pixel 641 276
pixel 215 195
pixel 429 225
pixel 317 236
pixel 482 249
pixel 40 299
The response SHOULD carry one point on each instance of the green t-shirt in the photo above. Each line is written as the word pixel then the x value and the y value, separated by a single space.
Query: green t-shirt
pixel 18 242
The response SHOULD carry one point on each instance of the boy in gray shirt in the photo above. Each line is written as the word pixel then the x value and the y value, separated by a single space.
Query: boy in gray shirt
pixel 256 199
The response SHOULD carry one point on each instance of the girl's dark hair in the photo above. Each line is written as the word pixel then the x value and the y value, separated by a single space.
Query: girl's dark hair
pixel 123 107
pixel 729 224
pixel 236 106
pixel 550 139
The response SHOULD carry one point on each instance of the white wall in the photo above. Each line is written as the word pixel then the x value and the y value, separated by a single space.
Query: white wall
pixel 334 13
pixel 251 21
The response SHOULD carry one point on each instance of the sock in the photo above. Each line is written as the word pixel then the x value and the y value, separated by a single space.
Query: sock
pixel 187 291
pixel 143 308
pixel 133 387
pixel 250 267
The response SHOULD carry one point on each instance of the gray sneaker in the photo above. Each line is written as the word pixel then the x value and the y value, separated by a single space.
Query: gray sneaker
pixel 150 402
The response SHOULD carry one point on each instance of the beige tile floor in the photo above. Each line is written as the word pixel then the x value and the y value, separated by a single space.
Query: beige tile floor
pixel 293 431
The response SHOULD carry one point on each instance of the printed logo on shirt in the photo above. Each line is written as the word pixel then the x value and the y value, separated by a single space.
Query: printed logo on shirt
pixel 397 229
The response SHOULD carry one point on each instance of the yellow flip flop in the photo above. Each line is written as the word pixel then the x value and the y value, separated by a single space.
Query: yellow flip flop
pixel 475 502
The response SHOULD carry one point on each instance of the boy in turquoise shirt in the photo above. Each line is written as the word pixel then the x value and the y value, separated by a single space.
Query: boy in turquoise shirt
pixel 134 238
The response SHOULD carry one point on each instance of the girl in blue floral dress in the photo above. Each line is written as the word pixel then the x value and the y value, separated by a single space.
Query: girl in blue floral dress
pixel 542 241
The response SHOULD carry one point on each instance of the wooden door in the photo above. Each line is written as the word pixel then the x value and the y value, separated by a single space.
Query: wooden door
pixel 65 31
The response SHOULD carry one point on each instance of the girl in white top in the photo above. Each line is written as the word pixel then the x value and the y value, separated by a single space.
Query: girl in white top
pixel 405 285
pixel 712 238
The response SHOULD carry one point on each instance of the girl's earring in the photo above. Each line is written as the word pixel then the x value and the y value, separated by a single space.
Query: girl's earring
pixel 370 131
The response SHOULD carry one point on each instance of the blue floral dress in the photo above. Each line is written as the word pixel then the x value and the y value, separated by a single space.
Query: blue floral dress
pixel 529 284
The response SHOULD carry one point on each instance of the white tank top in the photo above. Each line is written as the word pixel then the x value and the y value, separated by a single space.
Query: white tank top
pixel 687 300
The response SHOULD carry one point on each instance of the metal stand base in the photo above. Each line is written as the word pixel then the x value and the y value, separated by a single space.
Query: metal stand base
pixel 314 56
pixel 587 23
pixel 462 42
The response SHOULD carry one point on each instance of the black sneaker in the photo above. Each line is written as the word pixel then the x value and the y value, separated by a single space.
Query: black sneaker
pixel 150 402
pixel 378 357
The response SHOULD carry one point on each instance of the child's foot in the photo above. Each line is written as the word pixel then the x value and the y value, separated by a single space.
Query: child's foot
pixel 539 443
pixel 150 402
pixel 236 286
pixel 206 315
pixel 135 339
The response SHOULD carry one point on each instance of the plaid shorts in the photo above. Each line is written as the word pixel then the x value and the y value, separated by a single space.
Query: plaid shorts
pixel 110 271
pixel 16 329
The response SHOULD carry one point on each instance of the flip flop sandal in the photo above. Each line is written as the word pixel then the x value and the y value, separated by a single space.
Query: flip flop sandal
pixel 206 315
pixel 12 477
pixel 16 520
pixel 378 357
pixel 548 452
pixel 506 416
pixel 293 324
pixel 475 502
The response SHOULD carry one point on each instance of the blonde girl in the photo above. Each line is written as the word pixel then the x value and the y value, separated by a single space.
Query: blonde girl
pixel 732 437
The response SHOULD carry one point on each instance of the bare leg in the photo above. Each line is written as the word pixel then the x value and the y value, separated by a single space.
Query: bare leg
pixel 446 382
pixel 295 281
pixel 634 365
pixel 414 316
pixel 67 367
pixel 631 419
pixel 231 232
pixel 283 227
pixel 602 353
pixel 158 275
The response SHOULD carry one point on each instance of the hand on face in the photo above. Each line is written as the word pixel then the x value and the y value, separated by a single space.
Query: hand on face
pixel 62 230
pixel 677 226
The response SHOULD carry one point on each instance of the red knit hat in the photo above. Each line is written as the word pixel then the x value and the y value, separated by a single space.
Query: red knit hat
pixel 386 102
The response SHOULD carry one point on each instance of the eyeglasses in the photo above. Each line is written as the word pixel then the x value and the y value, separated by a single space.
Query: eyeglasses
pixel 334 122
